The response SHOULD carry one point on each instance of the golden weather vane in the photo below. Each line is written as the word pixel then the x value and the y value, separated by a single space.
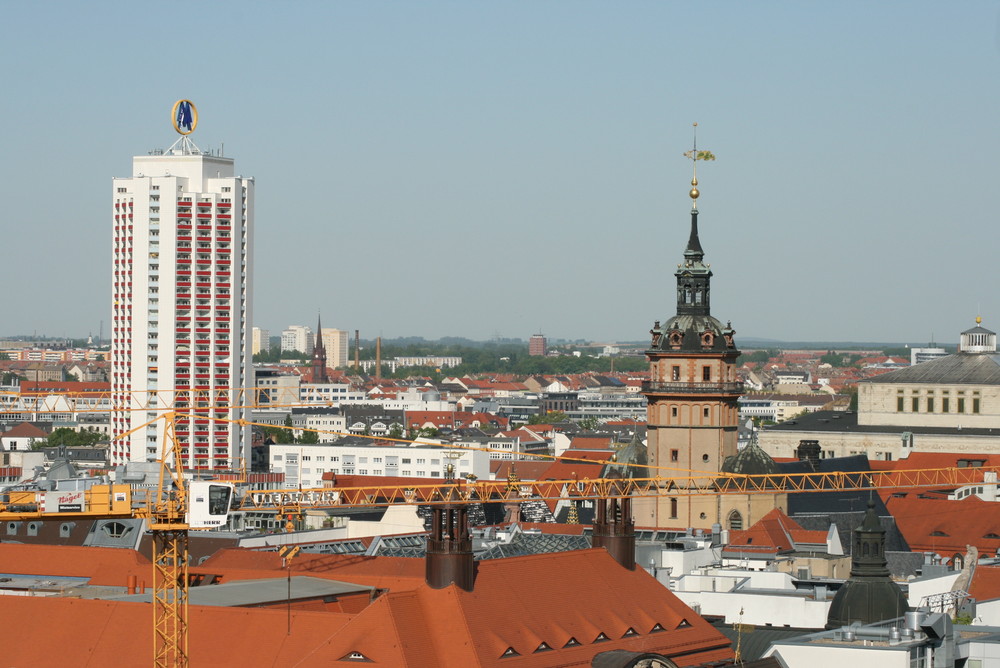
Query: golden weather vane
pixel 695 155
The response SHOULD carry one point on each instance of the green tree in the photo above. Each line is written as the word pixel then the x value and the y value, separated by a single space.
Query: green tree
pixel 309 436
pixel 760 356
pixel 68 437
pixel 548 418
pixel 396 430
pixel 589 423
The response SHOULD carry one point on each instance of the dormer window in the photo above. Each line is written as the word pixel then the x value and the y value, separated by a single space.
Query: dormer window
pixel 356 656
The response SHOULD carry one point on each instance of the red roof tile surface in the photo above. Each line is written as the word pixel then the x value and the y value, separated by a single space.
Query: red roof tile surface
pixel 518 604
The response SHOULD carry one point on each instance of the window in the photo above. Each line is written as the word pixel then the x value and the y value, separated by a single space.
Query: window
pixel 705 411
pixel 673 411
pixel 706 373
pixel 930 404
pixel 961 404
pixel 975 404
pixel 675 373
pixel 915 404
pixel 899 404
pixel 735 521
pixel 674 455
pixel 673 509
pixel 944 404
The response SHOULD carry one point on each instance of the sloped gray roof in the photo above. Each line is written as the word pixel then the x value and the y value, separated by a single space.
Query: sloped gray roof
pixel 524 544
pixel 959 369
pixel 257 592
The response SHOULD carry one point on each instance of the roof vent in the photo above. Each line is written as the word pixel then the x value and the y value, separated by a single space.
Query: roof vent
pixel 510 651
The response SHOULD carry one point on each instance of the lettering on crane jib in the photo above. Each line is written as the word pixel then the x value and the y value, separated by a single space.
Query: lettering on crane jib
pixel 288 498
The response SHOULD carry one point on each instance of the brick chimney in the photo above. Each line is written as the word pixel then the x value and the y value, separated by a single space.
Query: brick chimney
pixel 449 548
pixel 614 529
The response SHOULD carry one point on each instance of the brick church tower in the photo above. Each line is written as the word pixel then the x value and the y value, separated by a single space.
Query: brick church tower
pixel 692 394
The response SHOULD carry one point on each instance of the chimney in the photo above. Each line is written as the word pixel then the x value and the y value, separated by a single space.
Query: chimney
pixel 614 529
pixel 808 451
pixel 357 350
pixel 449 548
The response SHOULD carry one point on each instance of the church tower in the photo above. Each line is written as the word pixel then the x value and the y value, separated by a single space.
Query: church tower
pixel 692 394
pixel 319 356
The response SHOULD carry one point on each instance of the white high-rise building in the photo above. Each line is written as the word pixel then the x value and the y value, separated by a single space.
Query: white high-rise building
pixel 261 341
pixel 335 343
pixel 297 337
pixel 183 238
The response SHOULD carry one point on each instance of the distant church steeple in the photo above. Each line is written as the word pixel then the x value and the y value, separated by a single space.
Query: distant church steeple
pixel 319 356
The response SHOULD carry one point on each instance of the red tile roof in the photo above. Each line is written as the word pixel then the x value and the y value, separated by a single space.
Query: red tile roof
pixel 775 532
pixel 23 430
pixel 985 584
pixel 517 605
pixel 947 527
pixel 108 566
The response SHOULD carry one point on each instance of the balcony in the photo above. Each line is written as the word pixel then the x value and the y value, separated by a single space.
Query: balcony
pixel 706 387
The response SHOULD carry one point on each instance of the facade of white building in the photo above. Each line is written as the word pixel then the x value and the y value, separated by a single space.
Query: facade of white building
pixel 182 276
pixel 335 343
pixel 261 341
pixel 297 337
pixel 305 464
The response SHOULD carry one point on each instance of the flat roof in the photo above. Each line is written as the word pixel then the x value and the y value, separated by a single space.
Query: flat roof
pixel 847 422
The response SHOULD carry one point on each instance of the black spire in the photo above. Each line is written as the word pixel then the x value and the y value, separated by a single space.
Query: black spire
pixel 319 355
pixel 693 252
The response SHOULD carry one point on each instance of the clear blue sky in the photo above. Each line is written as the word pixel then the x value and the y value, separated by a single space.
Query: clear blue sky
pixel 474 168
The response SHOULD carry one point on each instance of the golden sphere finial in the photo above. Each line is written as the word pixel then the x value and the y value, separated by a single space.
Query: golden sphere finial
pixel 979 319
pixel 694 193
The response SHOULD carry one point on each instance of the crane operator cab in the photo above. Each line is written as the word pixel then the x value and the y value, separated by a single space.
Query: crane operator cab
pixel 208 504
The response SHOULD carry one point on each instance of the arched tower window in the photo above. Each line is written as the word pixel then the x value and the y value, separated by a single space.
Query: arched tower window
pixel 735 521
